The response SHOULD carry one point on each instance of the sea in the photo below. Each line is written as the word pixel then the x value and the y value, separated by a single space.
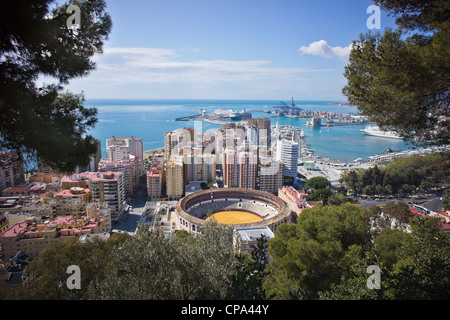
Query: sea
pixel 150 119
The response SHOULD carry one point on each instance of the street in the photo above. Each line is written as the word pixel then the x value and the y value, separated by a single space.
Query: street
pixel 432 199
pixel 129 220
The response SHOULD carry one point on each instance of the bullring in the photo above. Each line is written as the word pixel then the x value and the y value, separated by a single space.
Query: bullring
pixel 258 208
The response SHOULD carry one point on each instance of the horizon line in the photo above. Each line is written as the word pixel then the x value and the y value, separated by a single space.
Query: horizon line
pixel 212 99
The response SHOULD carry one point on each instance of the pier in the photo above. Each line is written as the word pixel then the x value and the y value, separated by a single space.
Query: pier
pixel 345 123
pixel 218 115
pixel 188 118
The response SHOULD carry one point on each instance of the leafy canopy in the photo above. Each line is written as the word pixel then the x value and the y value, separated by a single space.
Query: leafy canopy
pixel 35 42
pixel 399 78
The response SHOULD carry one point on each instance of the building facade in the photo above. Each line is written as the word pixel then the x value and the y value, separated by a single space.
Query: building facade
pixel 270 175
pixel 264 132
pixel 174 178
pixel 199 167
pixel 108 187
pixel 297 201
pixel 247 238
pixel 32 236
pixel 240 169
pixel 230 166
pixel 118 149
pixel 11 169
pixel 130 169
pixel 248 170
pixel 287 154
pixel 154 182
pixel 105 187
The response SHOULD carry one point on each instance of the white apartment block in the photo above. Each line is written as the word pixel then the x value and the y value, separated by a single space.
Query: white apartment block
pixel 287 153
pixel 118 149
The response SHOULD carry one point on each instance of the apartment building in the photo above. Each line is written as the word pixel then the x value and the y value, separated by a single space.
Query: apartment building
pixel 130 169
pixel 230 166
pixel 118 149
pixel 248 170
pixel 154 182
pixel 11 169
pixel 105 187
pixel 240 169
pixel 287 153
pixel 270 175
pixel 198 166
pixel 175 141
pixel 32 236
pixel 174 178
pixel 73 202
pixel 264 132
pixel 108 187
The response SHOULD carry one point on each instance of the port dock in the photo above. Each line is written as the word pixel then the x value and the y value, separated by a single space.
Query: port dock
pixel 218 115
pixel 345 123
pixel 187 118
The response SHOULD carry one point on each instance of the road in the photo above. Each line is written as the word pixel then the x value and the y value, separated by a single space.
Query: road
pixel 431 201
pixel 129 220
pixel 322 170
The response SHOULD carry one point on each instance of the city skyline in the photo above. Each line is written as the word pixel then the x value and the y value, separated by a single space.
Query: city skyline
pixel 227 50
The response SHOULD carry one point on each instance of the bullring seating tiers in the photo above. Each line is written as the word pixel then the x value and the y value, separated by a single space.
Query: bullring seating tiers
pixel 203 209
pixel 193 210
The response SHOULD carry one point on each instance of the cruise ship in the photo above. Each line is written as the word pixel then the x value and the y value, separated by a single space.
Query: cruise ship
pixel 377 132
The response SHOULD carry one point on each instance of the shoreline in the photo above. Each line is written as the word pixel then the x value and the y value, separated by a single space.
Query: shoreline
pixel 148 153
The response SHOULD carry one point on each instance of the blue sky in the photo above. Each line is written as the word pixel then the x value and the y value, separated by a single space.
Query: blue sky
pixel 227 49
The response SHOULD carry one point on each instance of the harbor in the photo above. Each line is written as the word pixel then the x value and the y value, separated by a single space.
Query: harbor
pixel 316 166
pixel 331 119
pixel 344 143
pixel 218 115
pixel 345 123
pixel 317 118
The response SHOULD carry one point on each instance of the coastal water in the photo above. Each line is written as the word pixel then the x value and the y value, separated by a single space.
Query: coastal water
pixel 150 119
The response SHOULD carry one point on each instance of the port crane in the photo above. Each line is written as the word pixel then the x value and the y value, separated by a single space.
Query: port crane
pixel 286 108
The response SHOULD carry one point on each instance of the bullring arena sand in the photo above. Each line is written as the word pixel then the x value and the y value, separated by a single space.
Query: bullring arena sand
pixel 235 217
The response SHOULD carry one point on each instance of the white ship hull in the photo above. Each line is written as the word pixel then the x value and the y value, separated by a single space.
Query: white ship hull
pixel 376 132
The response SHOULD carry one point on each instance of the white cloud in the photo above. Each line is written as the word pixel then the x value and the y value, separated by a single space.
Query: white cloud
pixel 159 71
pixel 323 49
pixel 163 65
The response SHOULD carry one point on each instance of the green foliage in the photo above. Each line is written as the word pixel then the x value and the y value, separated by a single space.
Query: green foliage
pixel 150 267
pixel 250 273
pixel 36 42
pixel 422 272
pixel 145 266
pixel 401 176
pixel 321 195
pixel 399 79
pixel 318 189
pixel 47 274
pixel 309 257
pixel 326 256
pixel 336 199
pixel 316 183
pixel 420 15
